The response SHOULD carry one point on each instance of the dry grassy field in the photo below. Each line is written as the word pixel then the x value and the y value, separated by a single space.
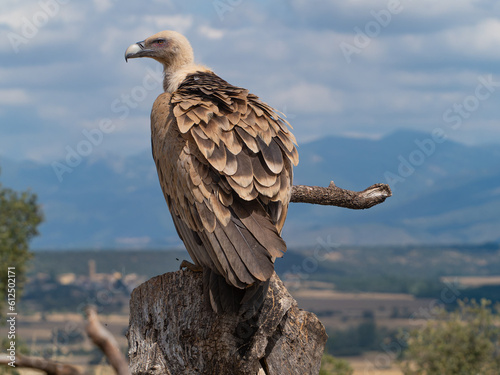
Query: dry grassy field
pixel 340 310
pixel 37 331
pixel 472 281
pixel 374 364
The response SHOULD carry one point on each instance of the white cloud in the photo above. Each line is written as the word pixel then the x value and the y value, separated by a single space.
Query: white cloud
pixel 210 32
pixel 442 8
pixel 102 5
pixel 309 98
pixel 434 79
pixel 13 15
pixel 181 23
pixel 482 39
pixel 14 97
pixel 54 112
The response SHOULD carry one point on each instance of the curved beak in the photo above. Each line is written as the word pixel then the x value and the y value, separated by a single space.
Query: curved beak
pixel 137 50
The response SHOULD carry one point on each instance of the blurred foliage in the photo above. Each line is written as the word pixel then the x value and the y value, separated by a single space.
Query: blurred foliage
pixel 463 342
pixel 489 292
pixel 20 216
pixel 415 270
pixel 21 347
pixel 334 366
pixel 355 340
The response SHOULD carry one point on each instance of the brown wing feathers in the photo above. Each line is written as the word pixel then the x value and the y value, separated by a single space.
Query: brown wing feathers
pixel 224 160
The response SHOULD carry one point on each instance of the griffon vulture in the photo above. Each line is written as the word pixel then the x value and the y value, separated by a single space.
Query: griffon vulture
pixel 224 160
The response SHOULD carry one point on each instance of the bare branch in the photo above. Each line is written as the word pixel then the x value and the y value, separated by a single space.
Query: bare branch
pixel 335 196
pixel 105 341
pixel 50 367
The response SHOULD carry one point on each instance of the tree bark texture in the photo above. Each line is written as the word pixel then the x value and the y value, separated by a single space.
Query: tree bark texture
pixel 336 196
pixel 173 331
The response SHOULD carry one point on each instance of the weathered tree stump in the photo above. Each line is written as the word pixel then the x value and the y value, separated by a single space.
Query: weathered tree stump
pixel 173 331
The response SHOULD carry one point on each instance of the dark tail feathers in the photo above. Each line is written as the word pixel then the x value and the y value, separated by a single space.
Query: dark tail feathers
pixel 225 298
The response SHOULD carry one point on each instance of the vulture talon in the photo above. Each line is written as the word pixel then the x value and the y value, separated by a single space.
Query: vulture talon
pixel 190 266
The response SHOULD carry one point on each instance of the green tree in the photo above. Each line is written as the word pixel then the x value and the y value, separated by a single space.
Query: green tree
pixel 334 366
pixel 463 342
pixel 20 216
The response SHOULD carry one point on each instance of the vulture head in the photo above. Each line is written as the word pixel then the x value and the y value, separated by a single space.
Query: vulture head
pixel 173 51
pixel 167 47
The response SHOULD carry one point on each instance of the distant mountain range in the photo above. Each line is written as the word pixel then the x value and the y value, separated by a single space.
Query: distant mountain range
pixel 443 192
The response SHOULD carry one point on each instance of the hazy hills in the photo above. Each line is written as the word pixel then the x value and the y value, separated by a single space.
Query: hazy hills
pixel 444 192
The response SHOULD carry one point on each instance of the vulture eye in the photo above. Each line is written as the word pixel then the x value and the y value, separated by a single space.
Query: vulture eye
pixel 160 41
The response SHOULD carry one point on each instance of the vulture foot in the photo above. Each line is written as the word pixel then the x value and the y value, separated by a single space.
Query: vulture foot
pixel 190 266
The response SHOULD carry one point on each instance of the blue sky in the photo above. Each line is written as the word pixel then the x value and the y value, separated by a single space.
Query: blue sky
pixel 358 68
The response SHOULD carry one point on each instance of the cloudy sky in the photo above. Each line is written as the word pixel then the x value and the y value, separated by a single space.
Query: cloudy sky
pixel 359 68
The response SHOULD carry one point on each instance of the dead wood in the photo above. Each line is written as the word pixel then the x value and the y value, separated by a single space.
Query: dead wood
pixel 335 196
pixel 105 341
pixel 50 367
pixel 172 331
